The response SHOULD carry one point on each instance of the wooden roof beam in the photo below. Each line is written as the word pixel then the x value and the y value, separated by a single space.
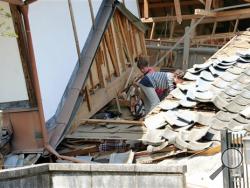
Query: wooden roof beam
pixel 171 4
pixel 178 11
pixel 219 16
pixel 208 5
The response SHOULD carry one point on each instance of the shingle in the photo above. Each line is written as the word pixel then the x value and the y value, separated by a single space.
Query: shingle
pixel 194 70
pixel 220 66
pixel 242 65
pixel 155 121
pixel 218 124
pixel 220 83
pixel 215 89
pixel 236 85
pixel 194 134
pixel 168 104
pixel 227 76
pixel 177 93
pixel 190 76
pixel 234 107
pixel 187 116
pixel 235 125
pixel 212 134
pixel 241 100
pixel 244 79
pixel 245 94
pixel 231 92
pixel 202 85
pixel 216 72
pixel 228 59
pixel 186 86
pixel 187 103
pixel 203 96
pixel 203 65
pixel 235 70
pixel 206 75
pixel 241 119
pixel 246 112
pixel 225 116
pixel 220 102
pixel 169 135
pixel 173 120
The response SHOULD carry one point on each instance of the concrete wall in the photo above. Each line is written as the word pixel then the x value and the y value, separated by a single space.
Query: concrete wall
pixel 94 175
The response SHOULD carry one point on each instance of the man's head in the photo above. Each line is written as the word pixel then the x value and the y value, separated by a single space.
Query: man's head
pixel 142 64
pixel 178 76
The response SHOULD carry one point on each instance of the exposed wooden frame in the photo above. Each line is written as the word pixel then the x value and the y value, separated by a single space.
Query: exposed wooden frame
pixel 208 5
pixel 178 11
pixel 91 12
pixel 219 17
pixel 146 14
pixel 171 4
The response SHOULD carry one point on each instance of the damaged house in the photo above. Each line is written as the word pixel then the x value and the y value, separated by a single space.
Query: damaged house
pixel 50 99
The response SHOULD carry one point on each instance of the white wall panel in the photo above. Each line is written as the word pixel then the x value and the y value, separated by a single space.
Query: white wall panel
pixel 12 82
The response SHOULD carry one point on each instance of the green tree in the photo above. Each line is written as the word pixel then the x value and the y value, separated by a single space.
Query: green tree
pixel 5 29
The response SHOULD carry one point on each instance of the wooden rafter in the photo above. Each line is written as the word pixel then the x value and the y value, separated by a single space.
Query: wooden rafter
pixel 208 5
pixel 146 15
pixel 152 5
pixel 219 16
pixel 178 11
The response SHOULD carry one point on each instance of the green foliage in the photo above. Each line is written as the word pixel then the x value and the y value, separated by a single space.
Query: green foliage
pixel 5 29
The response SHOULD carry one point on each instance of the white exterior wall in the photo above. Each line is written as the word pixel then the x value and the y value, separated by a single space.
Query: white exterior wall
pixel 54 44
pixel 12 82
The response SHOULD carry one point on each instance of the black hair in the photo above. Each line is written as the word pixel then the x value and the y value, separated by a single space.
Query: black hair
pixel 141 62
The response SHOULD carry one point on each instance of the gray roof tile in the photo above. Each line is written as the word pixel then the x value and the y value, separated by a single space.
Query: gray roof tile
pixel 177 93
pixel 216 72
pixel 173 120
pixel 246 112
pixel 235 70
pixel 203 96
pixel 234 107
pixel 220 83
pixel 191 76
pixel 169 104
pixel 231 92
pixel 218 124
pixel 241 100
pixel 225 116
pixel 227 76
pixel 207 75
pixel 220 102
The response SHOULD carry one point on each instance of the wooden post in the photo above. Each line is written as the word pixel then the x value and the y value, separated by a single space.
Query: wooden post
pixel 186 50
pixel 152 31
pixel 214 28
pixel 178 11
pixel 236 25
pixel 91 12
pixel 74 30
pixel 208 5
pixel 146 9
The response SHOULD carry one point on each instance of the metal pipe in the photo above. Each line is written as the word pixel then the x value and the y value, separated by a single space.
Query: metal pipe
pixel 198 49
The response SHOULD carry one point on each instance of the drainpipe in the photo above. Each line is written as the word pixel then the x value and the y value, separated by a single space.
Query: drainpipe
pixel 47 146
